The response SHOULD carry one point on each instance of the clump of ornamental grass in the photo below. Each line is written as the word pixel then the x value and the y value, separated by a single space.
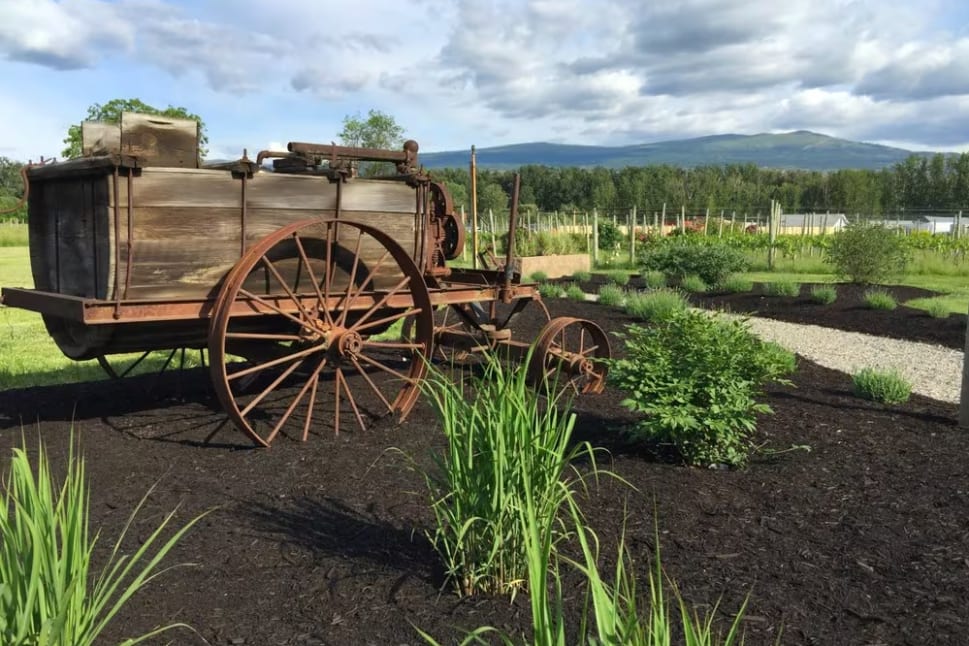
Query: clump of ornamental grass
pixel 735 284
pixel 693 284
pixel 937 309
pixel 504 476
pixel 611 295
pixel 574 292
pixel 654 279
pixel 824 294
pixel 880 299
pixel 551 290
pixel 48 593
pixel 885 386
pixel 656 304
pixel 538 276
pixel 618 277
pixel 782 288
pixel 582 276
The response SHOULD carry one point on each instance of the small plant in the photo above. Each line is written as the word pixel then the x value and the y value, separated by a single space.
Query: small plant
pixel 879 299
pixel 611 295
pixel 656 304
pixel 538 277
pixel 618 277
pixel 867 253
pixel 937 309
pixel 696 378
pixel 887 387
pixel 693 284
pixel 501 477
pixel 45 557
pixel 582 276
pixel 682 256
pixel 735 284
pixel 609 235
pixel 654 279
pixel 551 290
pixel 782 288
pixel 574 292
pixel 824 294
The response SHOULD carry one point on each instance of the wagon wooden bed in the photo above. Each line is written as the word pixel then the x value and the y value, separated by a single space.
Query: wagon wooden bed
pixel 293 280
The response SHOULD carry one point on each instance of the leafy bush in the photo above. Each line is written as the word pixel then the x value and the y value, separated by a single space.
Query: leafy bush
pixel 887 387
pixel 867 253
pixel 879 299
pixel 574 292
pixel 654 279
pixel 610 236
pixel 538 277
pixel 782 288
pixel 655 305
pixel 551 290
pixel 618 277
pixel 45 557
pixel 696 378
pixel 680 257
pixel 611 295
pixel 693 284
pixel 824 294
pixel 582 276
pixel 937 309
pixel 501 479
pixel 735 285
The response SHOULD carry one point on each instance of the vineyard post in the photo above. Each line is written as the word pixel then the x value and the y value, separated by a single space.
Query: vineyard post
pixel 474 211
pixel 733 220
pixel 958 231
pixel 588 232
pixel 632 235
pixel 720 225
pixel 491 218
pixel 663 221
pixel 706 222
pixel 682 218
pixel 772 234
pixel 964 398
pixel 595 236
pixel 464 248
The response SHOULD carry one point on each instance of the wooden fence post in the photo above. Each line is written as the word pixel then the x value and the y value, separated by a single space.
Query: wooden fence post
pixel 964 398
pixel 595 237
pixel 632 235
pixel 772 233
pixel 682 218
pixel 706 221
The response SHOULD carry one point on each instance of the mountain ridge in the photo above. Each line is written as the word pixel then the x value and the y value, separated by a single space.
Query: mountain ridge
pixel 798 149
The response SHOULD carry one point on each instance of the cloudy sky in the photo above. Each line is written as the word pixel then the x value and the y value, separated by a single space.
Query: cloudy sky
pixel 462 72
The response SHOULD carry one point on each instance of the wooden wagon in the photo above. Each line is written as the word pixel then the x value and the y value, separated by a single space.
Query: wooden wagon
pixel 294 280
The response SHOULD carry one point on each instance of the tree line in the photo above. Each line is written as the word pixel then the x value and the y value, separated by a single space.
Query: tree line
pixel 918 184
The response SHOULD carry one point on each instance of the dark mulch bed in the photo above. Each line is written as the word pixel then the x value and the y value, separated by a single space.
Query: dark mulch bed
pixel 860 540
pixel 848 312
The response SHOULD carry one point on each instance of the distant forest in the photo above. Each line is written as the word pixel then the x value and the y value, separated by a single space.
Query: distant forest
pixel 920 184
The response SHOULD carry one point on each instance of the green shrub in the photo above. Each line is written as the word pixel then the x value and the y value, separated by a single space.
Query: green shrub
pixel 610 236
pixel 655 305
pixel 551 290
pixel 501 479
pixel 618 277
pixel 824 294
pixel 611 295
pixel 735 284
pixel 46 593
pixel 654 279
pixel 695 378
pixel 782 288
pixel 582 276
pixel 867 253
pixel 887 387
pixel 693 284
pixel 538 277
pixel 574 292
pixel 937 309
pixel 680 257
pixel 879 299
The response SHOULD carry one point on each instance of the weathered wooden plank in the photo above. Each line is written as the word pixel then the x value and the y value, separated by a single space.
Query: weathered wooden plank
pixel 100 138
pixel 160 141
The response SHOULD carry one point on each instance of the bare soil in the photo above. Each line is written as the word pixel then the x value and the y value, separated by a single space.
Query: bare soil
pixel 850 525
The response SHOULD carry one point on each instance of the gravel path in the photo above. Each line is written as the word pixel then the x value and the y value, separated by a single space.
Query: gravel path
pixel 933 370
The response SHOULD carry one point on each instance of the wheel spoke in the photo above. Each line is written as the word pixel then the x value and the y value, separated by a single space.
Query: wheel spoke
pixel 395 345
pixel 382 301
pixel 363 284
pixel 342 382
pixel 292 406
pixel 330 229
pixel 274 362
pixel 386 319
pixel 387 369
pixel 366 377
pixel 345 301
pixel 289 292
pixel 262 336
pixel 278 310
pixel 309 270
pixel 271 387
pixel 309 407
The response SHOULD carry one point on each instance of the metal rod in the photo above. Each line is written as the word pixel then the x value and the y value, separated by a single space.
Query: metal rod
pixel 512 224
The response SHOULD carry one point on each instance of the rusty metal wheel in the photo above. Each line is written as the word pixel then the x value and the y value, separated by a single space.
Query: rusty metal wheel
pixel 307 327
pixel 568 357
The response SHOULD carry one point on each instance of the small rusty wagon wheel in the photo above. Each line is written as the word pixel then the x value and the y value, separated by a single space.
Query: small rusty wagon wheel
pixel 568 357
pixel 309 308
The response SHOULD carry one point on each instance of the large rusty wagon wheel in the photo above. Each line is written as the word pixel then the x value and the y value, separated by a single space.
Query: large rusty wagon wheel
pixel 568 357
pixel 310 307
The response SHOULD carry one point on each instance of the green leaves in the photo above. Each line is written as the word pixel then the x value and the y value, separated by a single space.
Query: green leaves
pixel 695 378
pixel 867 253
pixel 682 256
